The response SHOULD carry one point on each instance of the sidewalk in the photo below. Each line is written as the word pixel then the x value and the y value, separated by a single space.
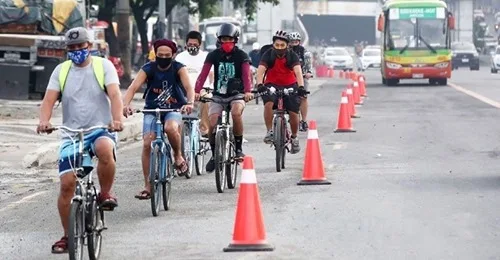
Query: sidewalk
pixel 21 147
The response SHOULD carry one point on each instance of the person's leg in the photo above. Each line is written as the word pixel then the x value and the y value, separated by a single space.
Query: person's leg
pixel 303 108
pixel 66 191
pixel 173 129
pixel 104 148
pixel 268 101
pixel 203 115
pixel 292 104
pixel 237 107
pixel 214 111
pixel 148 135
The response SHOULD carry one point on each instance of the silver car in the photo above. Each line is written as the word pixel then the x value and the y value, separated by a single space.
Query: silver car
pixel 338 58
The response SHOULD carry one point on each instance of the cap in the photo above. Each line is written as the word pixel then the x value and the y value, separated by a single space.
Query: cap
pixel 76 36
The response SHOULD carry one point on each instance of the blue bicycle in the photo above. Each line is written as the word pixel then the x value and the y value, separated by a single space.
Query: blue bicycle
pixel 161 167
pixel 194 146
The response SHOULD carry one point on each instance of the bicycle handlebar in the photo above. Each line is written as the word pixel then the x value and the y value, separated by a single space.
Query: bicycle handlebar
pixel 277 91
pixel 156 110
pixel 82 130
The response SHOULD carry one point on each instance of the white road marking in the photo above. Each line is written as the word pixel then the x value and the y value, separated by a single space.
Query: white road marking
pixel 475 95
pixel 23 200
pixel 339 146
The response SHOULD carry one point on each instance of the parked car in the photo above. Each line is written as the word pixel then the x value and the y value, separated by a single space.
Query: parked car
pixel 370 58
pixel 464 55
pixel 495 60
pixel 338 58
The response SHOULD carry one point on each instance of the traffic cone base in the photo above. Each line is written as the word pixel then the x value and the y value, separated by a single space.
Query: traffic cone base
pixel 248 248
pixel 313 182
pixel 344 131
pixel 355 116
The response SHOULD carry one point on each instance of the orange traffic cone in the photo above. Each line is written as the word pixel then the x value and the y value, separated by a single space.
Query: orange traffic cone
pixel 331 73
pixel 356 93
pixel 362 85
pixel 314 171
pixel 350 98
pixel 341 74
pixel 249 233
pixel 344 124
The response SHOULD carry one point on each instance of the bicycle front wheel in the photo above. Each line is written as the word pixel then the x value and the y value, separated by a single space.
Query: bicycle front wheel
pixel 154 179
pixel 167 183
pixel 232 166
pixel 187 148
pixel 219 160
pixel 76 231
pixel 278 141
pixel 95 222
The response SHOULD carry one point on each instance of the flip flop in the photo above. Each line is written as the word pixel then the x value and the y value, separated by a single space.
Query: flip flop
pixel 143 195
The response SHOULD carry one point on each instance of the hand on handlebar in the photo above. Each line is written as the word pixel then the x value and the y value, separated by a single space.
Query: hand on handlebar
pixel 116 125
pixel 302 91
pixel 127 111
pixel 248 96
pixel 261 88
pixel 44 127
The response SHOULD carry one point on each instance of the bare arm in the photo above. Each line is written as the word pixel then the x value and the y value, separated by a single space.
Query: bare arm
pixel 49 100
pixel 115 97
pixel 134 87
pixel 186 82
pixel 298 74
pixel 260 73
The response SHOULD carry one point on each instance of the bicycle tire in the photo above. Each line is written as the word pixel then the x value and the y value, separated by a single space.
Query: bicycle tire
pixel 286 137
pixel 94 238
pixel 166 184
pixel 232 167
pixel 198 146
pixel 219 160
pixel 154 175
pixel 186 148
pixel 278 144
pixel 76 230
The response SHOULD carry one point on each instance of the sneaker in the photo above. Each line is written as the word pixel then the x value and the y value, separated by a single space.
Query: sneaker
pixel 210 165
pixel 269 139
pixel 239 155
pixel 295 145
pixel 304 126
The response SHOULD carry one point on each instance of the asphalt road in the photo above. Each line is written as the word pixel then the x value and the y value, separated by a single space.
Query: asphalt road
pixel 418 180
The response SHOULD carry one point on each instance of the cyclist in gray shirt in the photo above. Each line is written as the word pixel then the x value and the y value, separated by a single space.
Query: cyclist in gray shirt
pixel 85 104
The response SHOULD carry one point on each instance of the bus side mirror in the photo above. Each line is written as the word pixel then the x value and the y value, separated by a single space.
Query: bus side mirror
pixel 451 22
pixel 380 23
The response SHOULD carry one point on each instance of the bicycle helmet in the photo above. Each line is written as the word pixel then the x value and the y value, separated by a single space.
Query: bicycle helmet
pixel 281 35
pixel 295 36
pixel 228 30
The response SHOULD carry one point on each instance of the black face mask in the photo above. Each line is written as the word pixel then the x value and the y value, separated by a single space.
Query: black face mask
pixel 280 52
pixel 193 50
pixel 163 62
pixel 296 48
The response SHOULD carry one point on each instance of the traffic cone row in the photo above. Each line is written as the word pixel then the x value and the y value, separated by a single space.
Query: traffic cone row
pixel 249 232
pixel 352 96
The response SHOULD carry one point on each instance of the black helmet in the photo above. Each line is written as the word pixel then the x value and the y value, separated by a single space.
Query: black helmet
pixel 228 30
pixel 281 35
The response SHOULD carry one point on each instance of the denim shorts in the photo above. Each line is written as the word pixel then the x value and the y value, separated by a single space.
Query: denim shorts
pixel 68 150
pixel 149 121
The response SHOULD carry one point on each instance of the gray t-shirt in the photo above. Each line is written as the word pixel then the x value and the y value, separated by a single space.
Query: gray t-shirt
pixel 84 103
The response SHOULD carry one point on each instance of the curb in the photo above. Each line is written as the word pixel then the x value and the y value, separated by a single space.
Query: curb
pixel 46 155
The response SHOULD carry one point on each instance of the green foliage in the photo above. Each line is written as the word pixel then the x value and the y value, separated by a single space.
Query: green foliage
pixel 251 6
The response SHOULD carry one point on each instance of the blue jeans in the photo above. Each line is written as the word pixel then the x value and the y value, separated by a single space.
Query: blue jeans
pixel 149 121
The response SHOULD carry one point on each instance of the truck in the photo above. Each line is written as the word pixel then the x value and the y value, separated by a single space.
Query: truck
pixel 209 27
pixel 416 41
pixel 32 43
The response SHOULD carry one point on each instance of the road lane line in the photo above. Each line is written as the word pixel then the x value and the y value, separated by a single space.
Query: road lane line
pixel 23 200
pixel 475 95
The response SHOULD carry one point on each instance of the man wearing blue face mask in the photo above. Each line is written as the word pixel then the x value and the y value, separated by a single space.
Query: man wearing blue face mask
pixel 88 88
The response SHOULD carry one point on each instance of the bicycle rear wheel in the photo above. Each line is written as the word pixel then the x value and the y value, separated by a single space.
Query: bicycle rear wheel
pixel 76 231
pixel 286 144
pixel 167 183
pixel 95 222
pixel 187 148
pixel 154 179
pixel 278 141
pixel 219 160
pixel 232 166
pixel 200 155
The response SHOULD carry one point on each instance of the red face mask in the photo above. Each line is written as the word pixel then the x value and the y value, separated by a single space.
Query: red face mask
pixel 227 46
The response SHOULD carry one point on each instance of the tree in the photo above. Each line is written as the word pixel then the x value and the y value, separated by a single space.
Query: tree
pixel 106 13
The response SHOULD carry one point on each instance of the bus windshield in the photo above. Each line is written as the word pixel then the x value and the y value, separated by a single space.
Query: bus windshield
pixel 417 34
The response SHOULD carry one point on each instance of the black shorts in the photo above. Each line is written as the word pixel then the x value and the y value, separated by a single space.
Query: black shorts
pixel 290 102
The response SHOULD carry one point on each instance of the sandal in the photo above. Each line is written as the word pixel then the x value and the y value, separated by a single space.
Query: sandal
pixel 107 202
pixel 143 195
pixel 61 246
pixel 182 169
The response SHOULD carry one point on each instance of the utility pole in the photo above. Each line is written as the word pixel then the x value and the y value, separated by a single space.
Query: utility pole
pixel 162 10
pixel 124 38
pixel 225 7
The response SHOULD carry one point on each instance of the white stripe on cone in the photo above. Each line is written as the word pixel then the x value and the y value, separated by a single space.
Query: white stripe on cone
pixel 312 134
pixel 355 84
pixel 344 100
pixel 349 91
pixel 248 176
